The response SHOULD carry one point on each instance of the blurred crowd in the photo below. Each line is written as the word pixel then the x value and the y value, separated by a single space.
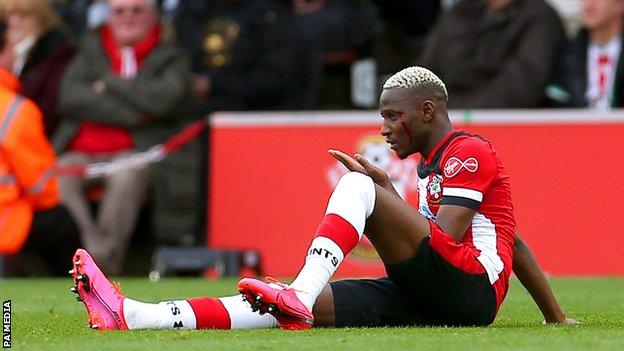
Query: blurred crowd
pixel 106 78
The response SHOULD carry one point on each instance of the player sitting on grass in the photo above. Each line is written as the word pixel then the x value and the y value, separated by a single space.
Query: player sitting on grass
pixel 448 262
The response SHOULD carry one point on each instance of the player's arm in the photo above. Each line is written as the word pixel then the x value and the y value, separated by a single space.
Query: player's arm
pixel 534 280
pixel 469 168
pixel 455 220
pixel 359 163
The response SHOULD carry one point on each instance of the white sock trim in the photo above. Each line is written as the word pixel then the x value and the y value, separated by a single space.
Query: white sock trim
pixel 178 315
pixel 353 199
pixel 164 315
pixel 242 317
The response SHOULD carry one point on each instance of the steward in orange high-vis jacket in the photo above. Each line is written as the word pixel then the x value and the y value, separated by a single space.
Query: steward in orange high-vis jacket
pixel 27 179
pixel 32 223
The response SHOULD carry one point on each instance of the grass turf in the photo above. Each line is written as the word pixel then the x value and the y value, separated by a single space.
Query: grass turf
pixel 47 317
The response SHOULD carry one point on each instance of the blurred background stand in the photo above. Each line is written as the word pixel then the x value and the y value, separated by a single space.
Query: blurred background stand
pixel 212 263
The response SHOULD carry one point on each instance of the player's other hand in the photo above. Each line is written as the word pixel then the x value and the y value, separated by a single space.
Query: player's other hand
pixel 566 320
pixel 359 163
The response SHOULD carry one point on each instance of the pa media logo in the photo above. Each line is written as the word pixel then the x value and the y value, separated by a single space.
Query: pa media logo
pixel 6 324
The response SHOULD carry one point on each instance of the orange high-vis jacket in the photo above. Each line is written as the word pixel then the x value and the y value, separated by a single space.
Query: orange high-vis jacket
pixel 27 159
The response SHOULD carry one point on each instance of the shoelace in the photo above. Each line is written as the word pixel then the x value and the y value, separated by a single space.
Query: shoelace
pixel 271 280
pixel 283 286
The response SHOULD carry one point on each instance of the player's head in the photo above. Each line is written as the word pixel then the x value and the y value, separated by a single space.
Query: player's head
pixel 413 105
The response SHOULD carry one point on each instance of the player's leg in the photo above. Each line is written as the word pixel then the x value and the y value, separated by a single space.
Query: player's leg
pixel 109 309
pixel 363 303
pixel 230 312
pixel 394 228
pixel 324 308
pixel 357 203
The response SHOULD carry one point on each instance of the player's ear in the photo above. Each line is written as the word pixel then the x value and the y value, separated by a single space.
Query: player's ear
pixel 427 110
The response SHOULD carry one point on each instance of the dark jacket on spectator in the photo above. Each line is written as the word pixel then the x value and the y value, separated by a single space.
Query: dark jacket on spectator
pixel 501 59
pixel 42 73
pixel 572 74
pixel 159 90
pixel 247 48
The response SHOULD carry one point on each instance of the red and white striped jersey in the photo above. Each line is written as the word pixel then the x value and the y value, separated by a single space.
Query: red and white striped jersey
pixel 465 170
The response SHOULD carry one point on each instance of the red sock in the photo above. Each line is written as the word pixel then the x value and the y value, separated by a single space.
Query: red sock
pixel 210 313
pixel 339 231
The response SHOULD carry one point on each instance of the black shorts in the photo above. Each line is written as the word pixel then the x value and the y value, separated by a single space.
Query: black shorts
pixel 424 290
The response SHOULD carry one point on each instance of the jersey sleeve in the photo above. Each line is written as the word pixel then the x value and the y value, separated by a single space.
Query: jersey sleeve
pixel 469 168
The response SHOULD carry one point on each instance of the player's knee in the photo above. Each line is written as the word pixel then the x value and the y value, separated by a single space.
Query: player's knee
pixel 355 180
pixel 355 184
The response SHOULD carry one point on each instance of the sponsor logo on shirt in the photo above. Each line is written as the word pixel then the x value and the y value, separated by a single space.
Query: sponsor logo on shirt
pixel 454 165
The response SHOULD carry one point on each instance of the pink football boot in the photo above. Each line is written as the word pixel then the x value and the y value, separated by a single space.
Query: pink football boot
pixel 279 300
pixel 102 299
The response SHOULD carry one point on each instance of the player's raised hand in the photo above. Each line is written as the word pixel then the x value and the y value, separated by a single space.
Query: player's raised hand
pixel 348 161
pixel 360 164
pixel 379 175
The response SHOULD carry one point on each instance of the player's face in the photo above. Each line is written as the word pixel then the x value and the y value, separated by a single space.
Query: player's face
pixel 401 126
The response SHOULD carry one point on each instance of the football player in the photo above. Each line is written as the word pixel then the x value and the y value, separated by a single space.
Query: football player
pixel 448 262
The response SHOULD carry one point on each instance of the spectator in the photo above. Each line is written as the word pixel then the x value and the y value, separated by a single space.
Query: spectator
pixel 406 24
pixel 169 10
pixel 340 32
pixel 243 53
pixel 37 52
pixel 33 221
pixel 495 53
pixel 82 15
pixel 121 94
pixel 592 68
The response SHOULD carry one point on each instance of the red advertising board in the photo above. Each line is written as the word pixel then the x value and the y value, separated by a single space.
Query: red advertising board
pixel 270 178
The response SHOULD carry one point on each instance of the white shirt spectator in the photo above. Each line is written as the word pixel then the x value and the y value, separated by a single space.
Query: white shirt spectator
pixel 601 66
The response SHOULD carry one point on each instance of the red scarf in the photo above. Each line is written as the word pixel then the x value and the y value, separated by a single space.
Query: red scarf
pixel 141 49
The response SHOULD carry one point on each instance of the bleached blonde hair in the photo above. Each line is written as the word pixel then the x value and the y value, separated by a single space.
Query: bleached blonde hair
pixel 417 78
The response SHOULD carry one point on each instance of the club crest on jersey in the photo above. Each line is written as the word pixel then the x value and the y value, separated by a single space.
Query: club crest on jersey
pixel 454 165
pixel 434 189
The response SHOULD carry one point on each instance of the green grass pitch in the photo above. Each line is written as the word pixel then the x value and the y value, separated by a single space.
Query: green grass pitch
pixel 47 317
